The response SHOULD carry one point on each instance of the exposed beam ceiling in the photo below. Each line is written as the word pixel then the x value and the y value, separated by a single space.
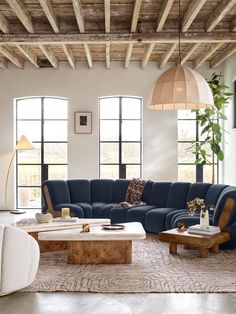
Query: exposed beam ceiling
pixel 206 55
pixel 79 15
pixel 163 13
pixel 50 56
pixel 4 24
pixel 189 53
pixel 135 16
pixel 107 9
pixel 228 52
pixel 3 64
pixel 69 55
pixel 165 58
pixel 11 56
pixel 108 56
pixel 47 8
pixel 29 54
pixel 88 55
pixel 192 11
pixel 147 54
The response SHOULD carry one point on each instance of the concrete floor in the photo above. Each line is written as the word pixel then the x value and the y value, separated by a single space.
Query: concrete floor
pixel 97 303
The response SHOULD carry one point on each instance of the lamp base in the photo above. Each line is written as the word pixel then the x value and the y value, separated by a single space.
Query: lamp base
pixel 17 211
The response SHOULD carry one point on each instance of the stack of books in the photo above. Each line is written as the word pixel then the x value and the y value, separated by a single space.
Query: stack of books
pixel 197 229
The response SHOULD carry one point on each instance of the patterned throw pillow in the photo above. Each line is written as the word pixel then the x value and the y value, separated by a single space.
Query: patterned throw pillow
pixel 135 190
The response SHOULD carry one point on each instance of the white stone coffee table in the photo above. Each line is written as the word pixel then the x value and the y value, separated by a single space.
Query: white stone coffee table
pixel 98 246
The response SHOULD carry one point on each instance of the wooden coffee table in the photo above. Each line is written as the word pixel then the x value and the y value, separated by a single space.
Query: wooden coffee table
pixel 98 246
pixel 202 242
pixel 34 228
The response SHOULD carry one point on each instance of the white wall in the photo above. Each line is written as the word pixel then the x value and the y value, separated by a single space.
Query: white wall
pixel 82 87
pixel 229 165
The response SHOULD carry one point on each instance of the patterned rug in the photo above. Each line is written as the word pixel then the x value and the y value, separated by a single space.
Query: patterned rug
pixel 153 270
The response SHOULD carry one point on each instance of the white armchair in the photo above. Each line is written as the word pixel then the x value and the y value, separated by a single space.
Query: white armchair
pixel 19 259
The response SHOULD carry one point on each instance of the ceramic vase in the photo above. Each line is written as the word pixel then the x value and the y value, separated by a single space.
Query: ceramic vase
pixel 204 219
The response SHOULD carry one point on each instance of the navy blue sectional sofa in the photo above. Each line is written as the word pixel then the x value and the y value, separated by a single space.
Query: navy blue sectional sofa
pixel 166 202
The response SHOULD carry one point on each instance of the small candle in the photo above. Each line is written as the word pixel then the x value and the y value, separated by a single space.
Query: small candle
pixel 65 212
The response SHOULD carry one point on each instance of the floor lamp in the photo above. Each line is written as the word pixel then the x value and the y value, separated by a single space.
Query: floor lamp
pixel 23 144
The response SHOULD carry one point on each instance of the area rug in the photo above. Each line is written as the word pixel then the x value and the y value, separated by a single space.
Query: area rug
pixel 153 270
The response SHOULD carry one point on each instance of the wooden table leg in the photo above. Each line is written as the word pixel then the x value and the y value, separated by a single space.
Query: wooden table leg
pixel 173 248
pixel 202 252
pixel 215 249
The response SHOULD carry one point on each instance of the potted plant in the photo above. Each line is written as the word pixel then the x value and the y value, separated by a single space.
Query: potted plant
pixel 210 120
pixel 198 205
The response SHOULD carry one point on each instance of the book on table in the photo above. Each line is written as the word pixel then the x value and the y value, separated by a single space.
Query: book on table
pixel 197 229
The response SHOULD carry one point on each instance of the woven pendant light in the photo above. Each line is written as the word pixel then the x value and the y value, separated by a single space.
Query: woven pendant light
pixel 180 88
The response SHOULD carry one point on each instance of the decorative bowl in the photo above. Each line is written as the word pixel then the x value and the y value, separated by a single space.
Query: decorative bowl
pixel 42 218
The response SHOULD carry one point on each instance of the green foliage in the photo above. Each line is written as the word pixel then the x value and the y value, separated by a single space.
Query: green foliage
pixel 210 120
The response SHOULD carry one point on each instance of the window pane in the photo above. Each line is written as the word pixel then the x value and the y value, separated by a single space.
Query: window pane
pixel 29 197
pixel 186 130
pixel 29 156
pixel 186 114
pixel 55 153
pixel 29 175
pixel 31 129
pixel 207 173
pixel 109 171
pixel 55 108
pixel 132 171
pixel 109 108
pixel 187 173
pixel 109 153
pixel 57 172
pixel 130 153
pixel 29 108
pixel 184 155
pixel 130 130
pixel 131 108
pixel 109 130
pixel 55 130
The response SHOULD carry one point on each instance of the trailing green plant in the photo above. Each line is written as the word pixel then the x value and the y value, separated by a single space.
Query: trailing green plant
pixel 210 120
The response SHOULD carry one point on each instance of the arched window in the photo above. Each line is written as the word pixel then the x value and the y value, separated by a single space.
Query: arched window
pixel 120 145
pixel 44 121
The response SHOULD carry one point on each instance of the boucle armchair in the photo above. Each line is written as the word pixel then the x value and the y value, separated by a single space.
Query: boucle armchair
pixel 19 259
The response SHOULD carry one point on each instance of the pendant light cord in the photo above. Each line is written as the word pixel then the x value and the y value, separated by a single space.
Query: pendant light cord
pixel 180 61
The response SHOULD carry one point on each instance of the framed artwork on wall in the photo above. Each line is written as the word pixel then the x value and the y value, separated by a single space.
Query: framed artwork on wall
pixel 83 122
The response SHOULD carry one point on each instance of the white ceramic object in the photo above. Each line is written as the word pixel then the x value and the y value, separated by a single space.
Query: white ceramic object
pixel 42 218
pixel 204 219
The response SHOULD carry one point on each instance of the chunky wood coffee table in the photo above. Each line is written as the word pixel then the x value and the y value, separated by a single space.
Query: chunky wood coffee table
pixel 98 246
pixel 33 228
pixel 202 242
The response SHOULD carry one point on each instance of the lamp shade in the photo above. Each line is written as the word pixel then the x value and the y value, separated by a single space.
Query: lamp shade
pixel 180 88
pixel 24 144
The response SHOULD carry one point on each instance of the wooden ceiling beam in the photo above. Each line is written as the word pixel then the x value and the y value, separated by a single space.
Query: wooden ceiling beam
pixel 69 55
pixel 144 38
pixel 217 15
pixel 4 24
pixel 47 8
pixel 189 52
pixel 134 23
pixel 22 14
pixel 199 60
pixel 192 11
pixel 107 9
pixel 228 52
pixel 108 56
pixel 147 54
pixel 49 55
pixel 233 25
pixel 165 58
pixel 29 54
pixel 163 13
pixel 11 56
pixel 79 15
pixel 88 55
pixel 3 63
pixel 128 55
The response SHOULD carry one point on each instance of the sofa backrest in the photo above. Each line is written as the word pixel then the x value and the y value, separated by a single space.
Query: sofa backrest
pixel 58 191
pixel 79 191
pixel 214 193
pixel 101 190
pixel 119 189
pixel 159 193
pixel 147 191
pixel 198 189
pixel 177 195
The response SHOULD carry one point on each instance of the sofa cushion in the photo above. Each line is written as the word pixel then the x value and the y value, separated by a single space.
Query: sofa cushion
pixel 118 214
pixel 172 216
pixel 158 194
pixel 198 189
pixel 213 193
pixel 138 213
pixel 177 195
pixel 79 191
pixel 87 209
pixel 155 219
pixel 98 209
pixel 101 190
pixel 119 189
